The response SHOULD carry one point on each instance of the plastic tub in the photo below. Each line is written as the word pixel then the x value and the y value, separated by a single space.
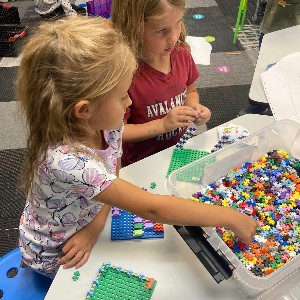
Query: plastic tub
pixel 285 135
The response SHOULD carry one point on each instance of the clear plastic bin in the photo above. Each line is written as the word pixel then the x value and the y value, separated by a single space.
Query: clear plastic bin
pixel 285 135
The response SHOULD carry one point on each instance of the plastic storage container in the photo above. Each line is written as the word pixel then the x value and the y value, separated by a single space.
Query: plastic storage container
pixel 285 135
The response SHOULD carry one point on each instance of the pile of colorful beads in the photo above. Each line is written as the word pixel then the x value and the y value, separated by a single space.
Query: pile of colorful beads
pixel 269 190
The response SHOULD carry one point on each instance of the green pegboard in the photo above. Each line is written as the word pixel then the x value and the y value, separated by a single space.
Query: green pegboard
pixel 182 157
pixel 114 283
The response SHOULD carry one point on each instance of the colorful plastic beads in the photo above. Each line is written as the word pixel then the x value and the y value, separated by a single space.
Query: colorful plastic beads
pixel 187 135
pixel 153 185
pixel 268 190
pixel 76 275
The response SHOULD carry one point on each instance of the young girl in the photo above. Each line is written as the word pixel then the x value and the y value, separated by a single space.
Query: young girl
pixel 164 97
pixel 72 84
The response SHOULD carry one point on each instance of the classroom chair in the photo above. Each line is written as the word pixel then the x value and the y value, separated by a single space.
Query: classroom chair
pixel 18 283
pixel 240 21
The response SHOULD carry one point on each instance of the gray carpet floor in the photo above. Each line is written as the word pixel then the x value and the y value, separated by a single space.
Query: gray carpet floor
pixel 224 93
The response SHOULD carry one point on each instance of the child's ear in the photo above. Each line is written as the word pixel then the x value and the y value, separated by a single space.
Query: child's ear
pixel 82 109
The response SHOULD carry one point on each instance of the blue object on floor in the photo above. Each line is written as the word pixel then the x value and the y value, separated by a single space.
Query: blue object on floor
pixel 17 283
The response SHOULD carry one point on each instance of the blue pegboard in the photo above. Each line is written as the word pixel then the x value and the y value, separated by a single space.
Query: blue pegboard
pixel 127 226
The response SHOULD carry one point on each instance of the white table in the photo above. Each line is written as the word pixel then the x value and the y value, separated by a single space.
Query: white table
pixel 275 46
pixel 179 274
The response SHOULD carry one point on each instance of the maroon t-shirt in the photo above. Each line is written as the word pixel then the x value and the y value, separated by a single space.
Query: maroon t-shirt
pixel 153 94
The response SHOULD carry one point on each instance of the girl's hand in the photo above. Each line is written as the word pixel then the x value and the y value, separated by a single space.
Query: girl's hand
pixel 204 114
pixel 78 248
pixel 243 226
pixel 179 116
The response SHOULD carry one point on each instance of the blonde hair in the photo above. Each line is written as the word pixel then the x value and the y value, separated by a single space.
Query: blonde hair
pixel 63 63
pixel 129 17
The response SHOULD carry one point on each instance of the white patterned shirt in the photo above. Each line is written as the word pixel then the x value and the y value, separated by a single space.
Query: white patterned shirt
pixel 62 199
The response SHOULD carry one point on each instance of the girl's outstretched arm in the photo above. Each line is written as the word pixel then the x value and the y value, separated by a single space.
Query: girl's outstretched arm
pixel 177 211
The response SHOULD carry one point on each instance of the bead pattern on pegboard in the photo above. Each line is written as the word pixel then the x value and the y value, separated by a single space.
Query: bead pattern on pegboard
pixel 114 282
pixel 127 226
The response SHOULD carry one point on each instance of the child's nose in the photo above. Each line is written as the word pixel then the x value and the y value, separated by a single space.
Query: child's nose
pixel 128 101
pixel 173 37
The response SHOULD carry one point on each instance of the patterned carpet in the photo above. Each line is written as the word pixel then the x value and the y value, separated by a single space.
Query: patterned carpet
pixel 224 93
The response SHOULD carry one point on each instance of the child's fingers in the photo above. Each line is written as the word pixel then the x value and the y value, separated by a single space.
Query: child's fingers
pixel 255 227
pixel 204 114
pixel 83 260
pixel 62 260
pixel 201 110
pixel 75 260
pixel 189 111
pixel 186 115
pixel 179 116
pixel 67 247
pixel 185 119
pixel 247 238
pixel 67 257
pixel 185 111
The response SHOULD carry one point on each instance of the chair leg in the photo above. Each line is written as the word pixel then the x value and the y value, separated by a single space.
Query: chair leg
pixel 237 24
pixel 243 4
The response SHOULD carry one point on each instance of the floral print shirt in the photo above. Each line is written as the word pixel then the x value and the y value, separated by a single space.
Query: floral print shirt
pixel 62 199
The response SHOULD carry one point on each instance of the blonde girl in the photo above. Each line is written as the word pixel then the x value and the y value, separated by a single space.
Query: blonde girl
pixel 163 93
pixel 72 86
